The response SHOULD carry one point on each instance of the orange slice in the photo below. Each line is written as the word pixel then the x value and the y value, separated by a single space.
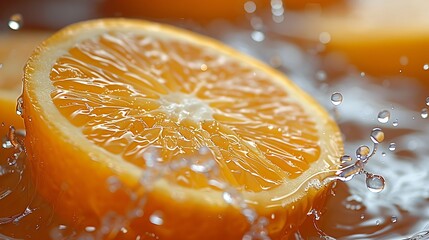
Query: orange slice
pixel 382 38
pixel 203 134
pixel 15 48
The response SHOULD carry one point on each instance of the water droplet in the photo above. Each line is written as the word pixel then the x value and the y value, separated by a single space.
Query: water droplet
pixel 426 67
pixel 249 7
pixel 347 173
pixel 346 159
pixel 354 202
pixel 1 65
pixel 336 98
pixel 375 183
pixel 424 113
pixel 383 154
pixel 90 229
pixel 257 36
pixel 203 67
pixel 203 167
pixel 394 219
pixel 427 101
pixel 19 106
pixel 15 21
pixel 362 74
pixel 324 37
pixel 250 214
pixel 157 218
pixel 321 75
pixel 383 116
pixel 395 123
pixel 377 135
pixel 362 216
pixel 362 152
pixel 231 196
pixel 113 184
pixel 377 222
pixel 392 146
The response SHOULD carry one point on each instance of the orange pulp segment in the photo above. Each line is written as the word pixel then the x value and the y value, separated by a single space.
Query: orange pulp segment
pixel 99 96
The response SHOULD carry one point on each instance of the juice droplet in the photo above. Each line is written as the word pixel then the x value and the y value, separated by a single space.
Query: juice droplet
pixel 336 98
pixel 424 113
pixel 383 116
pixel 392 146
pixel 15 21
pixel 157 218
pixel 426 67
pixel 375 183
pixel 362 152
pixel 377 135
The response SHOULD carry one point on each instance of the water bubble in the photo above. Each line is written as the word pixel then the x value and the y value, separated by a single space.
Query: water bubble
pixel 375 183
pixel 250 7
pixel 345 159
pixel 15 21
pixel 383 116
pixel 395 123
pixel 336 98
pixel 362 152
pixel 426 67
pixel 157 218
pixel 424 113
pixel 377 135
pixel 394 219
pixel 257 36
pixel 392 146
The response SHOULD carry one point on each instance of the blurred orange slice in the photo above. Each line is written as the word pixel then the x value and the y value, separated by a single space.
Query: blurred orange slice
pixel 118 101
pixel 15 48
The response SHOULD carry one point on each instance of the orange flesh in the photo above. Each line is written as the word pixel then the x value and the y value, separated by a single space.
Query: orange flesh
pixel 126 94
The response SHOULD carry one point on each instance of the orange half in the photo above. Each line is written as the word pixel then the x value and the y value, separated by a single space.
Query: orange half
pixel 203 134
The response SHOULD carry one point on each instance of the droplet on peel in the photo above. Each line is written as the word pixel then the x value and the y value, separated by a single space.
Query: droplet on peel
pixel 383 116
pixel 362 152
pixel 157 218
pixel 377 135
pixel 375 183
pixel 424 113
pixel 15 21
pixel 392 146
pixel 336 98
